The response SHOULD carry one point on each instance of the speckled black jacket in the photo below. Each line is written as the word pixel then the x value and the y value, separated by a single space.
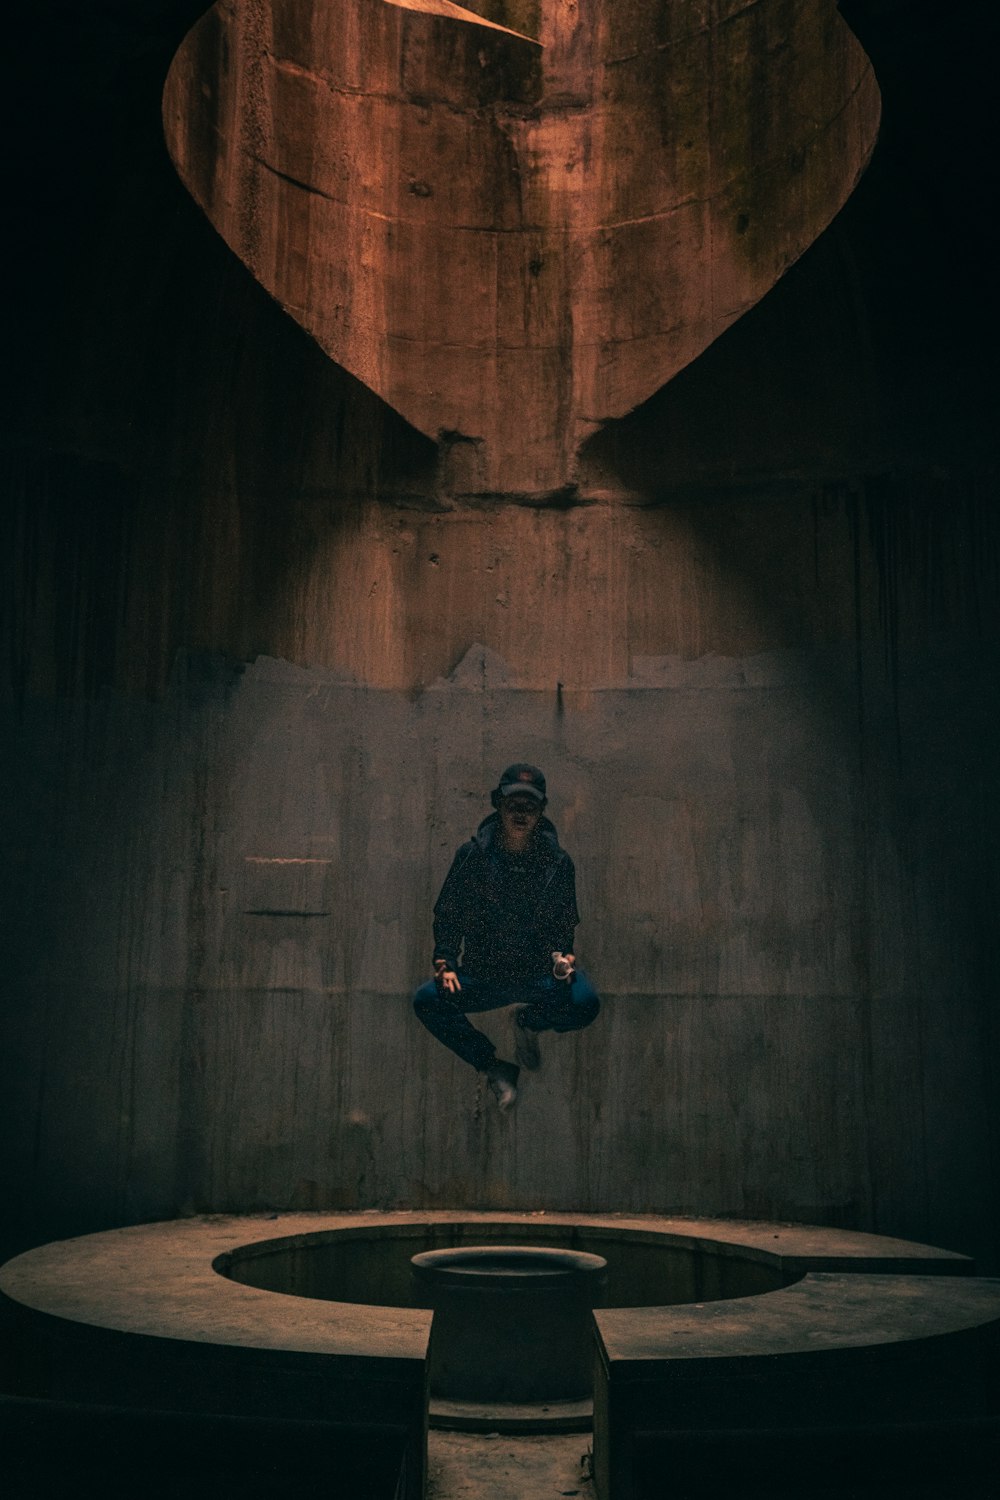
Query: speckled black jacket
pixel 509 911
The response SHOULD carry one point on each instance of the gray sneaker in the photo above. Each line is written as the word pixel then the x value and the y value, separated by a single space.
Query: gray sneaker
pixel 502 1079
pixel 526 1045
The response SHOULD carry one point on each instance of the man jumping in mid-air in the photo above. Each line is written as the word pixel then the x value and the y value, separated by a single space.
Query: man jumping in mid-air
pixel 509 902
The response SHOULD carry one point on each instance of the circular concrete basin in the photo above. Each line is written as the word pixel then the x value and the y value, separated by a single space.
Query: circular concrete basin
pixel 652 1261
pixel 308 1312
pixel 512 1323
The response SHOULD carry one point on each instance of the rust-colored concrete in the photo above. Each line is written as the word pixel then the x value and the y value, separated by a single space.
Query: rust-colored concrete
pixel 513 240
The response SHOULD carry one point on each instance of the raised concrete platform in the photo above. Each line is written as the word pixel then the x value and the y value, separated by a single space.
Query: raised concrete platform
pixel 162 1281
pixel 835 1370
pixel 150 1318
pixel 137 1320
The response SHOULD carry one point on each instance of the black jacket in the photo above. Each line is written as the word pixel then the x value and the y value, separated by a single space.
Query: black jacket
pixel 509 911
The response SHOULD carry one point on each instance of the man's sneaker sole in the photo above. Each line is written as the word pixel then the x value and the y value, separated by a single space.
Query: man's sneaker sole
pixel 502 1079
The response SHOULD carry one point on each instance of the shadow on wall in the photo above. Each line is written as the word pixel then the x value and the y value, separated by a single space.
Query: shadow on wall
pixel 176 508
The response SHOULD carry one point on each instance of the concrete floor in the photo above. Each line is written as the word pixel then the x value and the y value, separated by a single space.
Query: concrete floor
pixel 502 1466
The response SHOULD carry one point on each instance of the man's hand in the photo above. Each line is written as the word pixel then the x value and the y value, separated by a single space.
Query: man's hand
pixel 445 978
pixel 562 965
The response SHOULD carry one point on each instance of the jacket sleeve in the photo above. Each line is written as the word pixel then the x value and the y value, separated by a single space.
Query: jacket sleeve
pixel 564 915
pixel 451 907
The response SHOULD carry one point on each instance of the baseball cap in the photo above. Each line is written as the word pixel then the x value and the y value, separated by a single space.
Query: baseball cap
pixel 521 777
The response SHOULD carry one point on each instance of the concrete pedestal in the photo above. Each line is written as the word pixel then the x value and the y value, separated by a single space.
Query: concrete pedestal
pixel 512 1323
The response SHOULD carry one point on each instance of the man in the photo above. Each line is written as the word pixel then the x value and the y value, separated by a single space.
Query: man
pixel 509 903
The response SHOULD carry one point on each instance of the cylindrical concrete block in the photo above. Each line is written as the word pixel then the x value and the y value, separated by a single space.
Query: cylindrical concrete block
pixel 511 1322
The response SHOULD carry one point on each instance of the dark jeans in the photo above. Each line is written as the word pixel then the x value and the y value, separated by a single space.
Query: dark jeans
pixel 547 1004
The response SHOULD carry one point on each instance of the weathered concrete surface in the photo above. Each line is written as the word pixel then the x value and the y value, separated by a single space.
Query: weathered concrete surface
pixel 158 1280
pixel 461 1466
pixel 889 1381
pixel 129 1304
pixel 789 998
pixel 824 1311
pixel 141 1327
pixel 512 240
pixel 185 472
pixel 169 1280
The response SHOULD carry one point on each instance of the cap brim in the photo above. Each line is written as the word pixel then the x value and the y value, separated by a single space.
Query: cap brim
pixel 524 789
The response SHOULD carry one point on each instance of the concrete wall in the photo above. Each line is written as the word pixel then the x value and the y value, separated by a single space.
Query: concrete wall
pixel 264 668
pixel 224 902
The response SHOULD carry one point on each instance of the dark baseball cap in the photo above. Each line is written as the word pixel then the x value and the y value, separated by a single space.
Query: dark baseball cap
pixel 522 778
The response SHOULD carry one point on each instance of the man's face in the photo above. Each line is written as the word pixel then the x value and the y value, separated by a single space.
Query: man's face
pixel 519 817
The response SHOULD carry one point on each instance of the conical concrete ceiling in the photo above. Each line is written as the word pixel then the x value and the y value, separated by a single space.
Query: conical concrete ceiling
pixel 514 238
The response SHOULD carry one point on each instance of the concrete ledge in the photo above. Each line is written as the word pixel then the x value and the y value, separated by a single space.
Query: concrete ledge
pixel 143 1318
pixel 823 1311
pixel 815 1365
pixel 138 1319
pixel 163 1280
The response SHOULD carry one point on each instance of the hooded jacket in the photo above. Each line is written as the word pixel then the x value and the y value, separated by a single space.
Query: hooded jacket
pixel 510 911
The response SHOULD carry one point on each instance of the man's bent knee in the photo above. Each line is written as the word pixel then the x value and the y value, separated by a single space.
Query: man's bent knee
pixel 585 1011
pixel 583 995
pixel 585 1003
pixel 428 997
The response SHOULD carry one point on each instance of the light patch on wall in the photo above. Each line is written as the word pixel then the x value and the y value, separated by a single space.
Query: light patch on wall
pixel 285 886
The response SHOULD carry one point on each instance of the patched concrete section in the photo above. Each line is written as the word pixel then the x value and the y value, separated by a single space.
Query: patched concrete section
pixel 285 886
